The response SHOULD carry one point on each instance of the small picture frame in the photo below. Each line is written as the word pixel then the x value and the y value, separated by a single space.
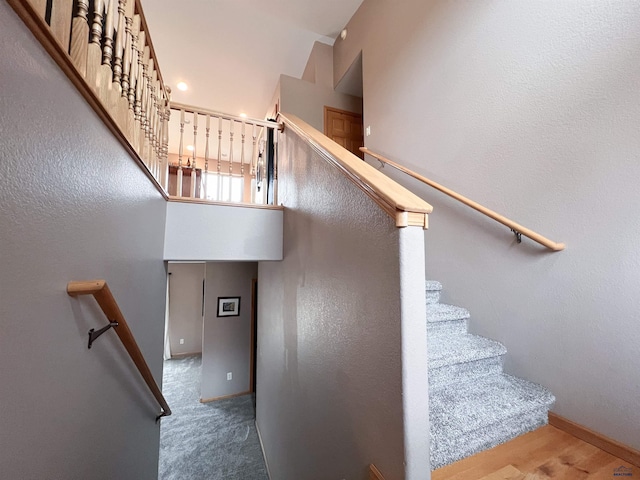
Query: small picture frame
pixel 228 306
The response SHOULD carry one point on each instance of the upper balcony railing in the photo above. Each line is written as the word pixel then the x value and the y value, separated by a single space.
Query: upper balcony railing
pixel 106 51
pixel 104 47
pixel 234 163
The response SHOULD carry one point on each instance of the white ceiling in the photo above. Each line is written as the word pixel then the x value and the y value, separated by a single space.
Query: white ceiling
pixel 232 52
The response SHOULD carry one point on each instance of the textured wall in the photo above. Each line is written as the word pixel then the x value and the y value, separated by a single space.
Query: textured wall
pixel 530 108
pixel 185 307
pixel 214 232
pixel 331 325
pixel 75 206
pixel 227 340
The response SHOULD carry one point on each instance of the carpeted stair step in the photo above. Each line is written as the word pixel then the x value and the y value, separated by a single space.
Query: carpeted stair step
pixel 462 357
pixel 432 290
pixel 443 319
pixel 467 418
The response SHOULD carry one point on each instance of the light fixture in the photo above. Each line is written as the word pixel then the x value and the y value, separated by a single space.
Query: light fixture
pixel 182 86
pixel 243 115
pixel 190 148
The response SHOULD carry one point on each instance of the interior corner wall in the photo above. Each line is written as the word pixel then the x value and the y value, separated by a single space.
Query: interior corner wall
pixel 532 110
pixel 319 68
pixel 185 307
pixel 329 373
pixel 307 100
pixel 75 206
pixel 274 107
pixel 227 340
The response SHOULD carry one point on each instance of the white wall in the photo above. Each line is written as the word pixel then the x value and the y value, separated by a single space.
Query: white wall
pixel 331 324
pixel 75 206
pixel 530 108
pixel 227 340
pixel 215 232
pixel 185 307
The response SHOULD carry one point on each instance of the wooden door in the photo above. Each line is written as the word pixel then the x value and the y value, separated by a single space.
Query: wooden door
pixel 344 128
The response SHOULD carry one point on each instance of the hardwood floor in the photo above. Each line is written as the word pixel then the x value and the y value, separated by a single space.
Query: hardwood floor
pixel 545 453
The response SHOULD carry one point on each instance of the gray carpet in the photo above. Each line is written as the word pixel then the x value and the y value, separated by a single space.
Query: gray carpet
pixel 210 441
pixel 473 404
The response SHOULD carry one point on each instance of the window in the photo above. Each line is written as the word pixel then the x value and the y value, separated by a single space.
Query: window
pixel 224 188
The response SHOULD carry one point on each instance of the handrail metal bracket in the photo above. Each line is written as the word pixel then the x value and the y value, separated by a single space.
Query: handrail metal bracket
pixel 518 235
pixel 162 414
pixel 94 334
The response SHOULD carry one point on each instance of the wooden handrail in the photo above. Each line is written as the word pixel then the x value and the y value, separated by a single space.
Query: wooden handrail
pixel 100 291
pixel 406 208
pixel 515 227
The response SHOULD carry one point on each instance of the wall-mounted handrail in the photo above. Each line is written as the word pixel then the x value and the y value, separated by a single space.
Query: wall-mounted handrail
pixel 406 208
pixel 100 291
pixel 515 227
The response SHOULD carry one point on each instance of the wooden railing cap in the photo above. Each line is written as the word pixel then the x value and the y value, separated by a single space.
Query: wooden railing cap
pixel 405 207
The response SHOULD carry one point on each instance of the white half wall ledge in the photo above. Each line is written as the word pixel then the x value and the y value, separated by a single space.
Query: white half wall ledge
pixel 222 233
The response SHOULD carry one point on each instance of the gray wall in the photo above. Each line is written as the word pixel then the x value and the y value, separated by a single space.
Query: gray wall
pixel 227 340
pixel 307 100
pixel 319 69
pixel 331 321
pixel 185 307
pixel 75 206
pixel 530 108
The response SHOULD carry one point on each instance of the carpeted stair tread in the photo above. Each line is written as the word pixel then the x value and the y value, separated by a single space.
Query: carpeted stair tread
pixel 433 286
pixel 456 448
pixel 432 291
pixel 467 418
pixel 452 349
pixel 441 312
pixel 460 409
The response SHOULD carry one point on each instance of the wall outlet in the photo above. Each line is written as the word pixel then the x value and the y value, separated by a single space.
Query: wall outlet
pixel 229 376
pixel 182 341
pixel 368 130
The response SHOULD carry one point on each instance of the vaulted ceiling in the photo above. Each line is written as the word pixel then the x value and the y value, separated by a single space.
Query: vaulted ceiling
pixel 231 53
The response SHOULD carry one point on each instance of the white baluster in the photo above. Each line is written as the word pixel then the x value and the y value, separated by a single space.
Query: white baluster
pixel 205 178
pixel 242 151
pixel 219 194
pixel 231 122
pixel 179 184
pixel 192 190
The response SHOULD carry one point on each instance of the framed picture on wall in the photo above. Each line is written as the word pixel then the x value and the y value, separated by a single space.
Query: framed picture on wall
pixel 228 306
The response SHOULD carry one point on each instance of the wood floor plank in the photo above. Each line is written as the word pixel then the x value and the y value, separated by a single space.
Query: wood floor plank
pixel 493 459
pixel 540 455
pixel 507 473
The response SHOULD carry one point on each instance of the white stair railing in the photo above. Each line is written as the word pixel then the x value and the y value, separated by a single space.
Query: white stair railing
pixel 239 166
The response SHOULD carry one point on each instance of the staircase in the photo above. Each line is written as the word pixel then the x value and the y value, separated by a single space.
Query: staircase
pixel 473 404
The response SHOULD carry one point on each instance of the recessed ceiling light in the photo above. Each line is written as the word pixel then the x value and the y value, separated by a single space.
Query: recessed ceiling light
pixel 243 115
pixel 182 86
pixel 190 148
